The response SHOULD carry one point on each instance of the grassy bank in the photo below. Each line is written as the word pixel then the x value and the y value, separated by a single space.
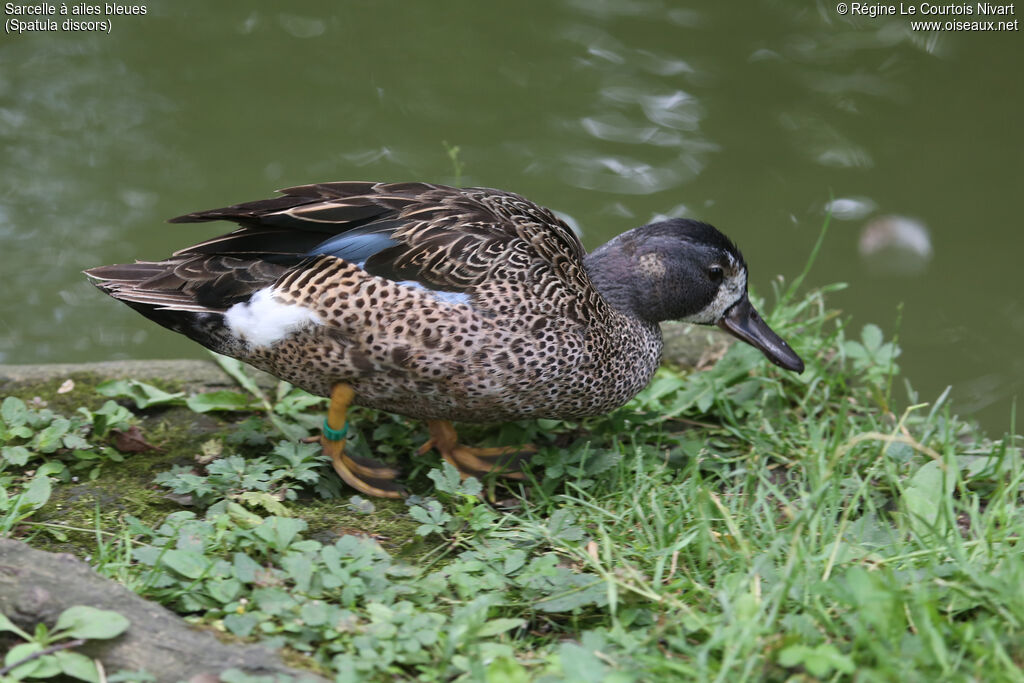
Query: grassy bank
pixel 736 524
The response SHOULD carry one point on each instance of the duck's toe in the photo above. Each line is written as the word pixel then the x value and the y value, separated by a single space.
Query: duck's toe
pixel 365 475
pixel 476 462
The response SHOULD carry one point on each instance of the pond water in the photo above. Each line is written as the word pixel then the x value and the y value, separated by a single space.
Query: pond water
pixel 756 118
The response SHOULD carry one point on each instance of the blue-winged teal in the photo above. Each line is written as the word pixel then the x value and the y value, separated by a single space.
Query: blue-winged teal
pixel 441 304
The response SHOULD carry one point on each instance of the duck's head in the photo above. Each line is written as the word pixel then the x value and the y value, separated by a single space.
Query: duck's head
pixel 686 270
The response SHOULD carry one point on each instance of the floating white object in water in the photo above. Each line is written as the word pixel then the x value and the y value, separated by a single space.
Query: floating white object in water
pixel 896 245
pixel 850 208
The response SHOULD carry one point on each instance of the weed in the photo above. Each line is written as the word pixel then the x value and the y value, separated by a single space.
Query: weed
pixel 46 653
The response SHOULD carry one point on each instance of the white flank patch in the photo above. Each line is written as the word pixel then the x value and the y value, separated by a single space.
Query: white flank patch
pixel 453 298
pixel 263 321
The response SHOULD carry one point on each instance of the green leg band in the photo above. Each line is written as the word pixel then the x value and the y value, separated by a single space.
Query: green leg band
pixel 334 434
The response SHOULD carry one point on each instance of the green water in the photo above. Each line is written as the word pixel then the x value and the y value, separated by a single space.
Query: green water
pixel 610 112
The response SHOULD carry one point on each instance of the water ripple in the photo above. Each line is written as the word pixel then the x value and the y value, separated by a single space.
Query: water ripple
pixel 622 174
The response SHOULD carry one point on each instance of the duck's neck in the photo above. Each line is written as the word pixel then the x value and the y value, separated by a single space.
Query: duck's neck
pixel 615 279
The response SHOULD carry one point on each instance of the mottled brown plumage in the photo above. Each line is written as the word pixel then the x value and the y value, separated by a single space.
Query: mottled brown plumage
pixel 441 303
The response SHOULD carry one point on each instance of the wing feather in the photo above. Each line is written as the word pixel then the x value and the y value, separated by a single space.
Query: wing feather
pixel 442 237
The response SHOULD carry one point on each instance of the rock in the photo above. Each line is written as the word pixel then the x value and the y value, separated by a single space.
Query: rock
pixel 192 373
pixel 694 347
pixel 36 586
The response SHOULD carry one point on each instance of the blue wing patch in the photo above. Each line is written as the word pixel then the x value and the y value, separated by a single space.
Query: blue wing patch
pixel 355 246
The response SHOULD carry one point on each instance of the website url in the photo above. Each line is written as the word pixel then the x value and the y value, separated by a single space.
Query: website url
pixel 965 25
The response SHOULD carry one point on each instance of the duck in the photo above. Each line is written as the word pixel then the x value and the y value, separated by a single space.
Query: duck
pixel 441 304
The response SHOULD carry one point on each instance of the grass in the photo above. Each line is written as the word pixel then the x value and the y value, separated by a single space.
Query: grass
pixel 827 526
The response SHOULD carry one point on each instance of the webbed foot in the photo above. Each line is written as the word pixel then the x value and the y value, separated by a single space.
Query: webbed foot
pixel 475 462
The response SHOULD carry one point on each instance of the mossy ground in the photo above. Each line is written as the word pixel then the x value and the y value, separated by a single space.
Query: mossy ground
pixel 80 507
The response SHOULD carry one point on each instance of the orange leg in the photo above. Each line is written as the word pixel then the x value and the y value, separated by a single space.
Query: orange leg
pixel 474 462
pixel 363 474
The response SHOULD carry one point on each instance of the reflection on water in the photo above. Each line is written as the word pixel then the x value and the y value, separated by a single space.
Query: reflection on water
pixel 824 144
pixel 758 118
pixel 638 106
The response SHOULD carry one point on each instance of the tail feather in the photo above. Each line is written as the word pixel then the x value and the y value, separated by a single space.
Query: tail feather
pixel 151 283
pixel 134 272
pixel 188 295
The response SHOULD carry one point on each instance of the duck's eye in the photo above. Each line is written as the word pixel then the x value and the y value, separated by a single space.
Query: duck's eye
pixel 716 273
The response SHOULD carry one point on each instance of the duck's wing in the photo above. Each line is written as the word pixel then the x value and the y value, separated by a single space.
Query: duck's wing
pixel 445 238
pixel 495 247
